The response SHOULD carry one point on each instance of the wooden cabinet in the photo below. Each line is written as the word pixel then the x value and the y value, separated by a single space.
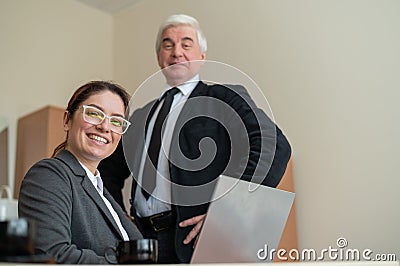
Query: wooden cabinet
pixel 289 236
pixel 3 153
pixel 37 136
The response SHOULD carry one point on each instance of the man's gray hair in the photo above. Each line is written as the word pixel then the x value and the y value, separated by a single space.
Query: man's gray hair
pixel 181 19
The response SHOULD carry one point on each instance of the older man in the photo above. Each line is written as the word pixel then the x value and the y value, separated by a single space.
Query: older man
pixel 174 212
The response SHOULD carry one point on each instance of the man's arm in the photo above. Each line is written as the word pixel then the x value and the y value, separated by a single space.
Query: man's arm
pixel 268 149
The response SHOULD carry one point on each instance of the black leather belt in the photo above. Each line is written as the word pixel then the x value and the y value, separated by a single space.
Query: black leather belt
pixel 157 222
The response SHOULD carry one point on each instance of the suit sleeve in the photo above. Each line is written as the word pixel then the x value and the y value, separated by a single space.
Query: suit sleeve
pixel 268 149
pixel 114 171
pixel 50 206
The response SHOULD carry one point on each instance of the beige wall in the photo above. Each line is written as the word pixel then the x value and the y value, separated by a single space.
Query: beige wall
pixel 328 68
pixel 330 72
pixel 48 48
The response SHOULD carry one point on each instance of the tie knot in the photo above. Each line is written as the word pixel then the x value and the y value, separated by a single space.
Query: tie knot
pixel 171 92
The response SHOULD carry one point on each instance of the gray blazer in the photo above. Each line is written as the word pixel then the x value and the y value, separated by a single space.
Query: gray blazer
pixel 73 223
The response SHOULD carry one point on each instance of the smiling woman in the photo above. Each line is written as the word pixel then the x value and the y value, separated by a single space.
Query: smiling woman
pixel 96 90
pixel 76 218
pixel 92 139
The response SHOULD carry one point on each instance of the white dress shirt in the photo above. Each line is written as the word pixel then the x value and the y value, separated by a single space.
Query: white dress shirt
pixel 159 200
pixel 98 184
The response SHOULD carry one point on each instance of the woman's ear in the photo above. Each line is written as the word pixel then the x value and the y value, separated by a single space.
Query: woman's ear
pixel 66 121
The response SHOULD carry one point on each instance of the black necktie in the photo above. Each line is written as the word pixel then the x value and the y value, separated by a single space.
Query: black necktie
pixel 150 167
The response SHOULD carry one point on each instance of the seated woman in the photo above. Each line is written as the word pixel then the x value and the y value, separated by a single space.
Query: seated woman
pixel 76 218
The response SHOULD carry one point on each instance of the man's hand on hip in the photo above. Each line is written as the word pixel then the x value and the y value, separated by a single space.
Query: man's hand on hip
pixel 197 221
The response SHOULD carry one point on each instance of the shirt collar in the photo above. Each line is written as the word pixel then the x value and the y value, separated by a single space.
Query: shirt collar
pixel 93 178
pixel 185 88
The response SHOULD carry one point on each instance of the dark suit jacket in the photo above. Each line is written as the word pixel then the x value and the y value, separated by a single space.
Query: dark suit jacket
pixel 74 225
pixel 239 137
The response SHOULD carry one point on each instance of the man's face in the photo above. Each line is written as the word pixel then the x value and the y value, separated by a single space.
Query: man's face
pixel 179 45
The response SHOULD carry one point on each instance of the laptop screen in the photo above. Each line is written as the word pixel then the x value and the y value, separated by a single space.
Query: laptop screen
pixel 241 221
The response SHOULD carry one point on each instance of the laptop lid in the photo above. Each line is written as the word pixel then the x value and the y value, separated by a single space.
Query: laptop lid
pixel 241 221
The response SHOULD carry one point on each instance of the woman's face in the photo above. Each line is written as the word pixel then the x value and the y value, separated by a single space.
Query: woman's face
pixel 92 143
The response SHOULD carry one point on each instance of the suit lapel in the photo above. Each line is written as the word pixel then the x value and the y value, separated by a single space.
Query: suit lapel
pixel 187 111
pixel 87 185
pixel 95 196
pixel 199 90
pixel 150 114
pixel 125 222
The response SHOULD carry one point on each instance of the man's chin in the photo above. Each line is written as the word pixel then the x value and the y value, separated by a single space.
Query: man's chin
pixel 178 67
pixel 176 76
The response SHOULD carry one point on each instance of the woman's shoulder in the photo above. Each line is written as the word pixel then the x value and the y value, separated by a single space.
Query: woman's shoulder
pixel 47 166
pixel 63 165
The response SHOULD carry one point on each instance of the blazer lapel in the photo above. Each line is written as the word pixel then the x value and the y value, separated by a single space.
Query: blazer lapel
pixel 127 224
pixel 150 114
pixel 95 196
pixel 188 110
pixel 198 91
pixel 87 185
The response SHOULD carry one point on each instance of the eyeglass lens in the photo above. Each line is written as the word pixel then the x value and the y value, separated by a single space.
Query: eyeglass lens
pixel 95 116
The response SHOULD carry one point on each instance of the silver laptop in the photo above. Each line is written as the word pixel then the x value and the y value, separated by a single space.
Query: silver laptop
pixel 242 222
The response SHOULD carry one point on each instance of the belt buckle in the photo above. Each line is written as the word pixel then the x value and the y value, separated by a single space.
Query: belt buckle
pixel 155 227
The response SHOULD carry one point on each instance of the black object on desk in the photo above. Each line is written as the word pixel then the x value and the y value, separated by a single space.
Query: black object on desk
pixel 16 238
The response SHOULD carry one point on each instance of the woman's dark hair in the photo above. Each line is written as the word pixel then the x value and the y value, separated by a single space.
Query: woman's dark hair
pixel 83 93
